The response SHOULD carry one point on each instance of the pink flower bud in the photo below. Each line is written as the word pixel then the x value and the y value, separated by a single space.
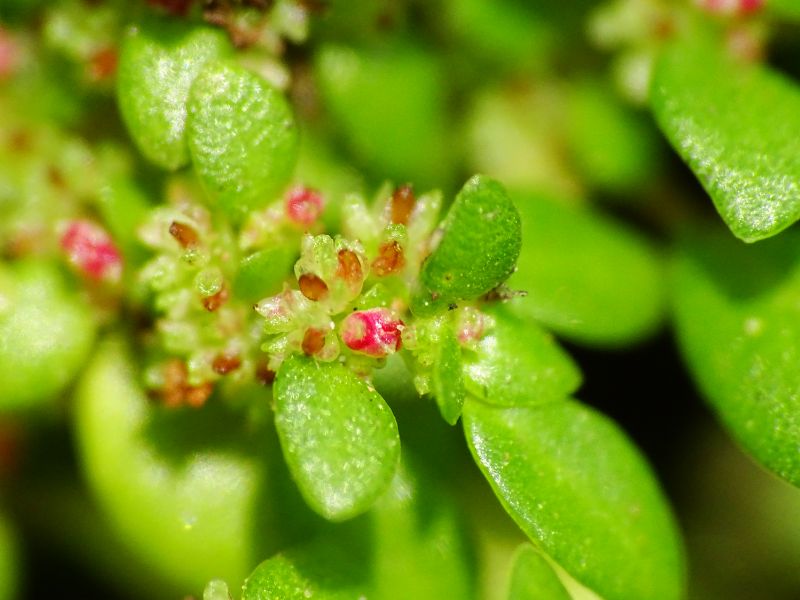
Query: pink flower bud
pixel 9 54
pixel 372 332
pixel 731 7
pixel 303 206
pixel 92 251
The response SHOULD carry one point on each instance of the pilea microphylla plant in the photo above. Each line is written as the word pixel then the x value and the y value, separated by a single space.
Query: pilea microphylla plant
pixel 281 282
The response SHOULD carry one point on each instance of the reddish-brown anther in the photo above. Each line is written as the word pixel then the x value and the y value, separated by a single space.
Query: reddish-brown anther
pixel 224 364
pixel 372 332
pixel 304 206
pixel 177 391
pixel 212 303
pixel 185 235
pixel 103 64
pixel 313 341
pixel 390 259
pixel 312 287
pixel 91 250
pixel 264 374
pixel 349 267
pixel 402 204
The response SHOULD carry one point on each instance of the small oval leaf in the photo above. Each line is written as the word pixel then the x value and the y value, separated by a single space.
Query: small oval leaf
pixel 738 325
pixel 157 64
pixel 46 334
pixel 589 278
pixel 518 364
pixel 533 577
pixel 242 137
pixel 580 490
pixel 736 127
pixel 338 435
pixel 480 243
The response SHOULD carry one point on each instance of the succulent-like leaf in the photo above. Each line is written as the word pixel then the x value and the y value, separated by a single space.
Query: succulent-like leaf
pixel 157 64
pixel 242 137
pixel 738 325
pixel 338 435
pixel 517 364
pixel 736 127
pixel 46 333
pixel 480 243
pixel 582 492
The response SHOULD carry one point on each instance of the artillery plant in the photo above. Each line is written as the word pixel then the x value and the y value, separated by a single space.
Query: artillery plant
pixel 274 368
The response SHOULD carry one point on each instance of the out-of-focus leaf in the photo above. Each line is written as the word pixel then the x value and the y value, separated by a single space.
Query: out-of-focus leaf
pixel 187 491
pixel 390 107
pixel 9 568
pixel 338 435
pixel 46 333
pixel 588 278
pixel 738 324
pixel 582 492
pixel 735 125
pixel 533 577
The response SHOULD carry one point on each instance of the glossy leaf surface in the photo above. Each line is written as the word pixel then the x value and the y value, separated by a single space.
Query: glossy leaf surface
pixel 46 333
pixel 582 492
pixel 589 278
pixel 738 324
pixel 185 490
pixel 157 64
pixel 338 435
pixel 533 577
pixel 517 364
pixel 242 137
pixel 480 243
pixel 735 125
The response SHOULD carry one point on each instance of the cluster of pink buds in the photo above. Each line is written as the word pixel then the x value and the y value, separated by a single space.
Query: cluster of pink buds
pixel 303 206
pixel 92 251
pixel 374 332
pixel 731 7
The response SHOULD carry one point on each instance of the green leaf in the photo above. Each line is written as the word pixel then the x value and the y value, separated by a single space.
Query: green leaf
pixel 738 325
pixel 589 279
pixel 518 364
pixel 322 570
pixel 189 491
pixel 480 243
pixel 9 569
pixel 419 547
pixel 389 106
pixel 735 125
pixel 158 62
pixel 263 273
pixel 448 381
pixel 338 436
pixel 533 577
pixel 613 147
pixel 242 137
pixel 582 492
pixel 787 9
pixel 46 333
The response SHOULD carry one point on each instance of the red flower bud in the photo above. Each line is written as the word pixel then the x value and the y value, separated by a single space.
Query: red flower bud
pixel 304 206
pixel 372 332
